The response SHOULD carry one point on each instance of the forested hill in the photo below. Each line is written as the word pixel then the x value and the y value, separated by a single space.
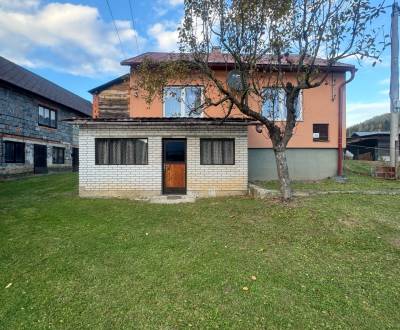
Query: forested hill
pixel 378 123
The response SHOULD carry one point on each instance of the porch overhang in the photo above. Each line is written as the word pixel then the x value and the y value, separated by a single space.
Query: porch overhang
pixel 159 122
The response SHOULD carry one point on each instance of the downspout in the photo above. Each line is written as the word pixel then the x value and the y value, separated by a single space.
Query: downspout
pixel 340 132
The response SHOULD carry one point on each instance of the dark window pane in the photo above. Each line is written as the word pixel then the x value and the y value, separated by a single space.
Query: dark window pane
pixel 14 152
pixel 9 152
pixel 320 132
pixel 58 155
pixel 175 151
pixel 19 152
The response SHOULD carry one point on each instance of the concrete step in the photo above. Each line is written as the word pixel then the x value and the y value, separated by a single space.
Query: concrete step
pixel 172 199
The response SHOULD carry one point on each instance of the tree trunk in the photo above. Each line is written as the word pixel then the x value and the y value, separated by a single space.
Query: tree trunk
pixel 283 173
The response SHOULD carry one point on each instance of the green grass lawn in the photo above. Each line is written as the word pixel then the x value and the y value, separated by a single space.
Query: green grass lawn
pixel 358 174
pixel 325 262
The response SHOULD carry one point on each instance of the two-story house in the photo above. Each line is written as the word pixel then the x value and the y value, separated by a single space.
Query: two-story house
pixel 132 148
pixel 34 138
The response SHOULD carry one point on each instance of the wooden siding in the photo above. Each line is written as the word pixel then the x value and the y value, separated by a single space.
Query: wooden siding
pixel 113 102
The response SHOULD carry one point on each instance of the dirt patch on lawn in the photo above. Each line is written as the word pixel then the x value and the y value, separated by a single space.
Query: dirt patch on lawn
pixel 395 242
pixel 350 222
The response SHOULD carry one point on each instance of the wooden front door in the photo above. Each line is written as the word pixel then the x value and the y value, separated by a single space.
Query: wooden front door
pixel 174 166
pixel 39 158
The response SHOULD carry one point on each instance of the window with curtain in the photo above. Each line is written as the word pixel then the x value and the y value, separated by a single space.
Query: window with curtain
pixel 58 155
pixel 217 151
pixel 274 107
pixel 47 117
pixel 14 152
pixel 182 101
pixel 121 151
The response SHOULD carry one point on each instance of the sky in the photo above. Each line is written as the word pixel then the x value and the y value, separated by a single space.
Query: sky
pixel 75 44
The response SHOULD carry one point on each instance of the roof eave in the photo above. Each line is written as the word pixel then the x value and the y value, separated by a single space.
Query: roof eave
pixel 107 84
pixel 341 68
pixel 160 121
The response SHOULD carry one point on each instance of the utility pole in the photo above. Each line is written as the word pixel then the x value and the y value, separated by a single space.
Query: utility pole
pixel 394 86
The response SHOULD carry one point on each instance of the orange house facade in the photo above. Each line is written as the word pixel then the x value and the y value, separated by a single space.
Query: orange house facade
pixel 314 152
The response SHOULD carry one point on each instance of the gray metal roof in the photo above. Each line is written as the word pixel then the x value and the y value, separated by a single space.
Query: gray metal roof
pixel 366 134
pixel 18 76
pixel 219 59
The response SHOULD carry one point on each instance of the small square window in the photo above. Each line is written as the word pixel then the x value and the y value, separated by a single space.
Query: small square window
pixel 47 117
pixel 14 152
pixel 320 132
pixel 58 155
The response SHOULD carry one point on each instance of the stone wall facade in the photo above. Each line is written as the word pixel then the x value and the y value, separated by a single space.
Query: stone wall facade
pixel 135 181
pixel 19 123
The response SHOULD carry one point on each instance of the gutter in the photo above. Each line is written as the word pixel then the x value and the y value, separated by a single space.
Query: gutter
pixel 340 132
pixel 146 122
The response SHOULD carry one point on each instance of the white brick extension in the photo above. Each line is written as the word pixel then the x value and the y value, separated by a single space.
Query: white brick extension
pixel 135 181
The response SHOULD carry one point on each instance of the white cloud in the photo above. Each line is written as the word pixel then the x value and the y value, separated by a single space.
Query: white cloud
pixel 175 2
pixel 162 7
pixel 23 5
pixel 166 35
pixel 359 111
pixel 65 37
pixel 384 81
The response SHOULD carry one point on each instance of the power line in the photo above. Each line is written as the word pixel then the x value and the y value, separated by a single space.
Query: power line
pixel 133 25
pixel 115 27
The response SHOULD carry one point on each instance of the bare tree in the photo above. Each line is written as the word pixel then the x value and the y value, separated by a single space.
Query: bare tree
pixel 258 39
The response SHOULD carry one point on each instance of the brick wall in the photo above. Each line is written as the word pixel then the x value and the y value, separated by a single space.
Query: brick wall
pixel 133 181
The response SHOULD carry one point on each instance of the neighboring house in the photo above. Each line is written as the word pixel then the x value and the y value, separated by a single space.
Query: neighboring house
pixel 370 145
pixel 33 135
pixel 131 148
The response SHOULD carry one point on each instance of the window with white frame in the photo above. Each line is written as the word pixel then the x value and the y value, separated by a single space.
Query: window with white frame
pixel 47 117
pixel 274 107
pixel 182 101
